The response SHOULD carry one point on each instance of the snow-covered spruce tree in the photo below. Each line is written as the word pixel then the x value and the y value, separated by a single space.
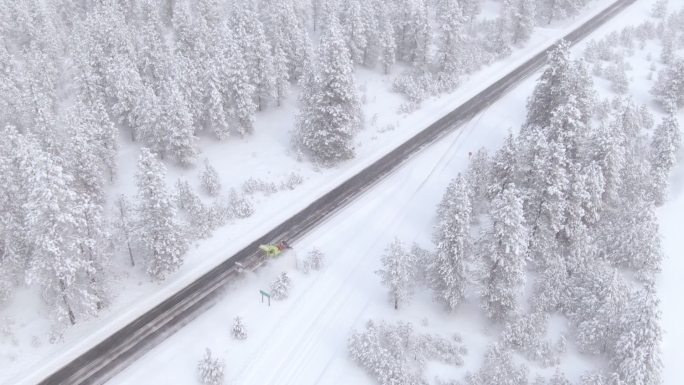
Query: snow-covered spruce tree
pixel 398 273
pixel 286 32
pixel 546 183
pixel 636 353
pixel 125 225
pixel 280 288
pixel 503 251
pixel 631 240
pixel 477 177
pixel 665 147
pixel 331 113
pixel 173 125
pixel 239 331
pixel 561 80
pixel 57 228
pixel 500 35
pixel 161 237
pixel 447 268
pixel 669 87
pixel 549 10
pixel 210 370
pixel 354 27
pixel 414 38
pixel 659 9
pixel 248 33
pixel 498 368
pixel 210 180
pixel 451 45
pixel 387 43
pixel 523 20
pixel 595 299
pixel 15 244
pixel 504 167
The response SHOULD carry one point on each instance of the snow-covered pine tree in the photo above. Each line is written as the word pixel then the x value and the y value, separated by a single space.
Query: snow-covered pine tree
pixel 630 239
pixel 501 35
pixel 524 20
pixel 239 331
pixel 665 147
pixel 125 224
pixel 398 273
pixel 636 353
pixel 503 250
pixel 414 35
pixel 546 201
pixel 504 167
pixel 331 113
pixel 248 33
pixel 354 27
pixel 210 370
pixel 174 122
pixel 161 237
pixel 15 243
pixel 477 178
pixel 470 9
pixel 669 87
pixel 210 180
pixel 239 83
pixel 387 44
pixel 659 9
pixel 561 79
pixel 56 228
pixel 447 269
pixel 286 33
pixel 596 296
pixel 549 10
pixel 280 288
pixel 498 368
pixel 451 45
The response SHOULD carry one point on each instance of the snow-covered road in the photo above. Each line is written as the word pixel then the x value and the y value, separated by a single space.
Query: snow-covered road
pixel 302 340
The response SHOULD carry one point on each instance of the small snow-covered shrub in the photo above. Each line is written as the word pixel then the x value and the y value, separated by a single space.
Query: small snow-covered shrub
pixel 7 335
pixel 280 288
pixel 315 259
pixel 210 180
pixel 239 331
pixel 202 220
pixel 312 261
pixel 6 286
pixel 525 333
pixel 416 85
pixel 618 78
pixel 184 197
pixel 498 368
pixel 293 180
pixel 252 186
pixel 210 370
pixel 394 354
pixel 239 205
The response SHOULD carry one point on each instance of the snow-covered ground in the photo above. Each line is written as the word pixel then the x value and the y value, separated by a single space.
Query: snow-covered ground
pixel 302 340
pixel 305 336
